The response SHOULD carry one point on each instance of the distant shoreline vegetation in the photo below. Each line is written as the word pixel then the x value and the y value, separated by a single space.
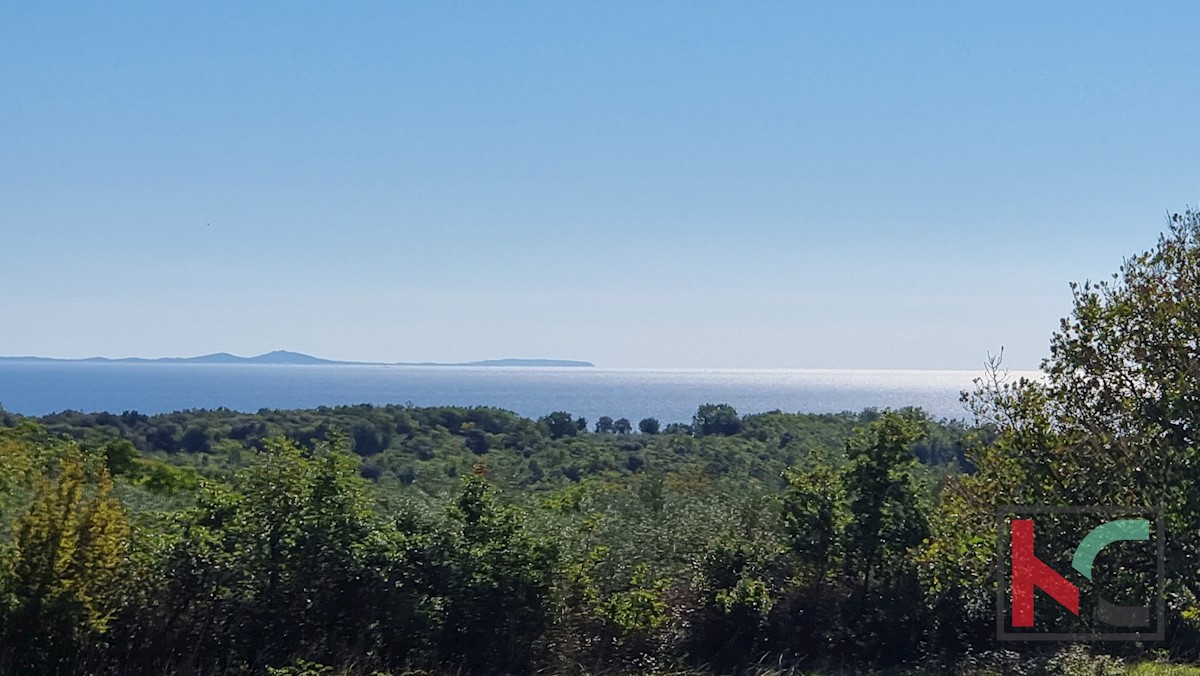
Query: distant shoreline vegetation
pixel 450 540
pixel 284 357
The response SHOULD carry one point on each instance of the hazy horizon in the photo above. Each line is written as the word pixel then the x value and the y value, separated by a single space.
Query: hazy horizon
pixel 665 185
pixel 518 357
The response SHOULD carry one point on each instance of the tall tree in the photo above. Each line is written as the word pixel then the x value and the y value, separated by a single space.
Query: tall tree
pixel 886 517
pixel 1114 421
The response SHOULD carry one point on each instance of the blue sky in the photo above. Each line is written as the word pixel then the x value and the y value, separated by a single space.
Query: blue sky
pixel 640 184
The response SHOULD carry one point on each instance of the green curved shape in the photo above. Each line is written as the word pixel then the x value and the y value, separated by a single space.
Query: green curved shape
pixel 1104 535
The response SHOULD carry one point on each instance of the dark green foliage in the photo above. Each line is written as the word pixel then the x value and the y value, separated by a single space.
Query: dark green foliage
pixel 605 425
pixel 120 455
pixel 796 539
pixel 428 448
pixel 815 514
pixel 887 518
pixel 716 419
pixel 1114 422
pixel 299 558
pixel 559 424
pixel 501 578
pixel 665 548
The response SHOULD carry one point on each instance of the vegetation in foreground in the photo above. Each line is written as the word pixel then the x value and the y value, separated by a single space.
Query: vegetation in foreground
pixel 448 540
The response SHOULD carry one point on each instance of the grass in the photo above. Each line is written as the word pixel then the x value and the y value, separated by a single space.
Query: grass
pixel 1163 669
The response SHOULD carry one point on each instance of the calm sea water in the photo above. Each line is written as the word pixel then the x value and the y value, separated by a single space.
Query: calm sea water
pixel 669 395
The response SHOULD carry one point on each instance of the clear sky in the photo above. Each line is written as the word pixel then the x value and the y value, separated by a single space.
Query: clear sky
pixel 639 184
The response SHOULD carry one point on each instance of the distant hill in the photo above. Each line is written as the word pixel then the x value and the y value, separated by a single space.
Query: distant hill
pixel 284 357
pixel 276 357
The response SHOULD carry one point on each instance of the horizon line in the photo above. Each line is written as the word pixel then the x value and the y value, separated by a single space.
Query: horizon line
pixel 301 358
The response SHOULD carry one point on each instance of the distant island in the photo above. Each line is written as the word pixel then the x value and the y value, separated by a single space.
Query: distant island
pixel 284 357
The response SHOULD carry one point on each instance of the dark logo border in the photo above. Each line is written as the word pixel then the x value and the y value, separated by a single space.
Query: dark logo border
pixel 1003 609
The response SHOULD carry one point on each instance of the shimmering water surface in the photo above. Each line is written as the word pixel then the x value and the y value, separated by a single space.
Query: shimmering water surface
pixel 669 395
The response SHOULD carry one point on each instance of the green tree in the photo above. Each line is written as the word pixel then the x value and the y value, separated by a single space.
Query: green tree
pixel 498 598
pixel 1115 421
pixel 560 424
pixel 291 564
pixel 815 515
pixel 720 419
pixel 120 455
pixel 887 518
pixel 648 426
pixel 66 567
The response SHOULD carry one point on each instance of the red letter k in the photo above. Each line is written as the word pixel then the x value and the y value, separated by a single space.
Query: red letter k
pixel 1028 571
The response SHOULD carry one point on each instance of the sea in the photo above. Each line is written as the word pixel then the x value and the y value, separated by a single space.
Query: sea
pixel 670 395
